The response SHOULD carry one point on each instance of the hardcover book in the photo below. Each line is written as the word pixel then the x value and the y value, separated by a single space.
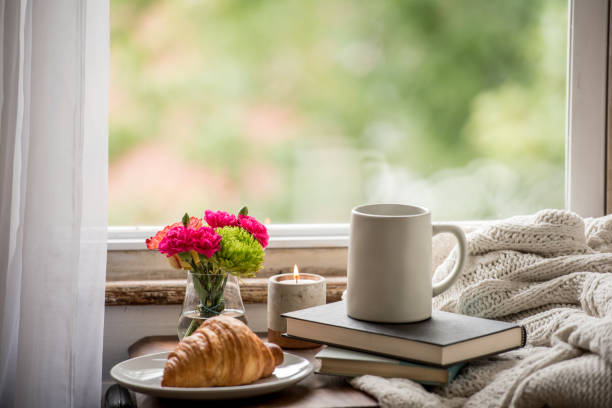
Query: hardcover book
pixel 442 340
pixel 337 361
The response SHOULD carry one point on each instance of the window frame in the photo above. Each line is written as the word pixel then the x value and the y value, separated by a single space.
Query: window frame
pixel 587 107
pixel 281 236
pixel 586 135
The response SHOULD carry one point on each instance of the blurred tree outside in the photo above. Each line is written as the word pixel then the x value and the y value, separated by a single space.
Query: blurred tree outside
pixel 304 109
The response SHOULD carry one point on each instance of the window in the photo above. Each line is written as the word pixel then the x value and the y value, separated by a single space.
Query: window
pixel 304 109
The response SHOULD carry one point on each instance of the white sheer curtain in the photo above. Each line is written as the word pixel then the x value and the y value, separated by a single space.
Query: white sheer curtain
pixel 53 207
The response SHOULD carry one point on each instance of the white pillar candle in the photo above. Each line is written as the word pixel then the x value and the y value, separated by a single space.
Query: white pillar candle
pixel 286 294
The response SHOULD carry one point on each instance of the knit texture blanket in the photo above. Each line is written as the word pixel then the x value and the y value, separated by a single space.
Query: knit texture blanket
pixel 550 272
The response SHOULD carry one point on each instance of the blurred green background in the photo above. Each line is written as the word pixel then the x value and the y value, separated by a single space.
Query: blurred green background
pixel 304 109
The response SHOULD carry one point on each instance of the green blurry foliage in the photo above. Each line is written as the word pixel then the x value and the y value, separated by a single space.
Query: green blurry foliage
pixel 239 85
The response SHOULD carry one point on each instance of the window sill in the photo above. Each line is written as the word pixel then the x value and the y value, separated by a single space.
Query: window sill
pixel 172 291
pixel 140 277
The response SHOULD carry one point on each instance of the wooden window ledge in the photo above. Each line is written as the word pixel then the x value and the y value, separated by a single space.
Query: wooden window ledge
pixel 172 291
pixel 145 278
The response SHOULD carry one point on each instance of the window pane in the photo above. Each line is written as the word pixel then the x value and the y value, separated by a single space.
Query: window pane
pixel 304 109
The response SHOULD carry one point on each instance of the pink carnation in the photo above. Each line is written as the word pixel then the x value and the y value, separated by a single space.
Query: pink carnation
pixel 257 229
pixel 153 242
pixel 220 219
pixel 205 241
pixel 179 239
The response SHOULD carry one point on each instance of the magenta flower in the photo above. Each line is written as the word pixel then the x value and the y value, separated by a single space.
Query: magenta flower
pixel 205 241
pixel 179 239
pixel 220 219
pixel 257 229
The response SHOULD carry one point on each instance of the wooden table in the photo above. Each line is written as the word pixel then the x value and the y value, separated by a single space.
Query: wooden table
pixel 320 391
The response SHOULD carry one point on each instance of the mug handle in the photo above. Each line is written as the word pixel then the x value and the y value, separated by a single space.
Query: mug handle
pixel 452 277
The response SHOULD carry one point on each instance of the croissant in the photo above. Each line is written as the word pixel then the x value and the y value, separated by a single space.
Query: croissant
pixel 223 351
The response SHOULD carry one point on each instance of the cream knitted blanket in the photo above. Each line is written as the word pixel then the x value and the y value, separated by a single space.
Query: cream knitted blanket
pixel 550 272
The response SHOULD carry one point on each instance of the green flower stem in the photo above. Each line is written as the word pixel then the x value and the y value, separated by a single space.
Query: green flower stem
pixel 209 285
pixel 193 326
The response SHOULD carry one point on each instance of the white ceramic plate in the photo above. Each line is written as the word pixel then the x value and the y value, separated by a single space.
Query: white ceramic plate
pixel 144 374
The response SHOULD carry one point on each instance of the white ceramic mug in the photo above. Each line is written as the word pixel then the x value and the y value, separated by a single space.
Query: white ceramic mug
pixel 389 263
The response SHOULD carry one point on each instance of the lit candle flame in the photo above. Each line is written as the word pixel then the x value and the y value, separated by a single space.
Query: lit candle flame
pixel 296 273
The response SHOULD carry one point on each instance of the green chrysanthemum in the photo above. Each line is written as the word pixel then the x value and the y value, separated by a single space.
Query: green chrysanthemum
pixel 240 253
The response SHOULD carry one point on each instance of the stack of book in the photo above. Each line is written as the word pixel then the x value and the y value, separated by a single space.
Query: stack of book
pixel 432 351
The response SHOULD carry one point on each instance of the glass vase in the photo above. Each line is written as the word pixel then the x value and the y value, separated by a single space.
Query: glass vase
pixel 208 295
